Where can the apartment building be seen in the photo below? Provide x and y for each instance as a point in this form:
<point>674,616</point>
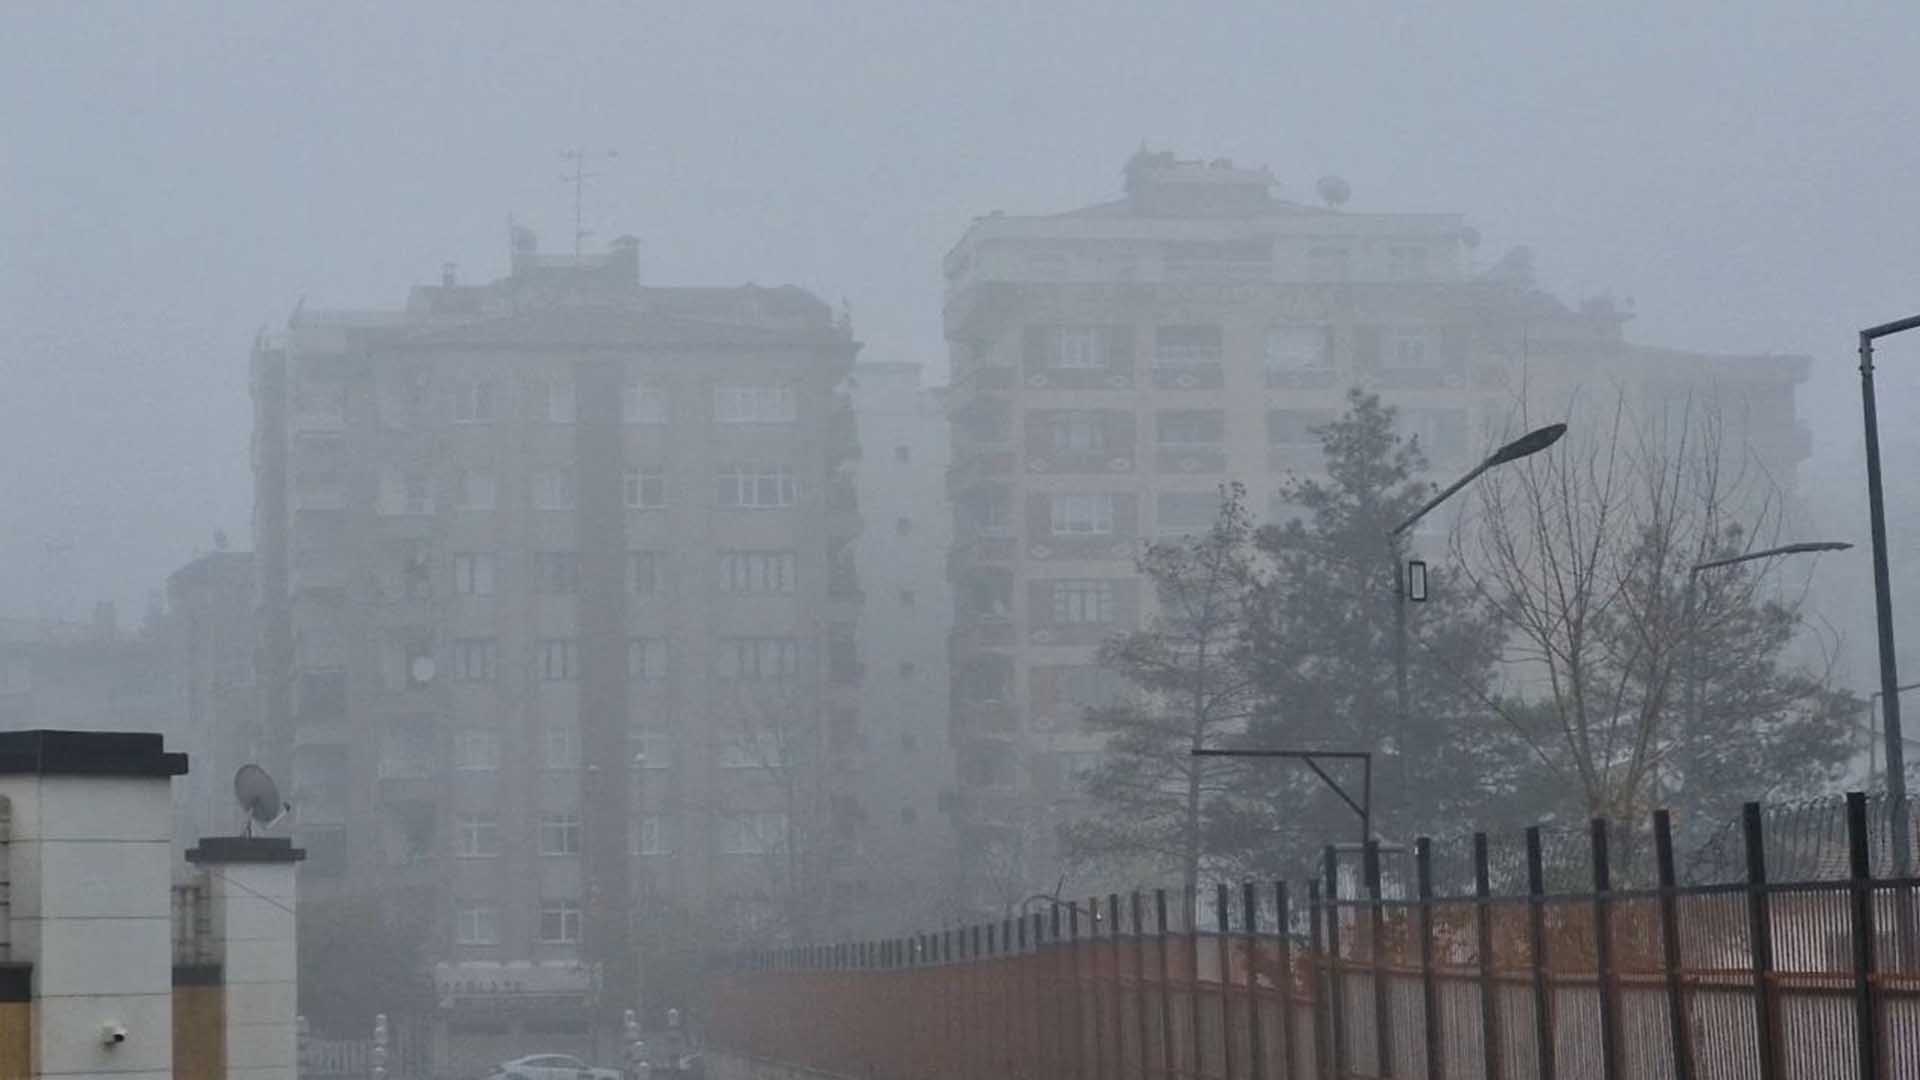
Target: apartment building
<point>905,621</point>
<point>554,637</point>
<point>1113,365</point>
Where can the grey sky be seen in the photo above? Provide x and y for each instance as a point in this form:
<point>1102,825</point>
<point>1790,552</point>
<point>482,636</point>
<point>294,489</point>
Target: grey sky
<point>173,177</point>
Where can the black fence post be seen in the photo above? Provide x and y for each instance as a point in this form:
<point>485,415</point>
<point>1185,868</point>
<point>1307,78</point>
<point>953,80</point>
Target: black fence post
<point>1078,1027</point>
<point>1429,983</point>
<point>1256,1042</point>
<point>1056,998</point>
<point>1194,1055</point>
<point>1322,1004</point>
<point>1603,949</point>
<point>1118,1002</point>
<point>1289,1050</point>
<point>1679,1021</point>
<point>1223,947</point>
<point>1336,989</point>
<point>1492,1051</point>
<point>1166,986</point>
<point>1140,980</point>
<point>1760,939</point>
<point>1537,932</point>
<point>1860,890</point>
<point>1377,957</point>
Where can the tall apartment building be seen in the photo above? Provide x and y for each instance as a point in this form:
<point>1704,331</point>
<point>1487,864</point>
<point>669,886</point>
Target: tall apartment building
<point>902,561</point>
<point>556,637</point>
<point>1113,365</point>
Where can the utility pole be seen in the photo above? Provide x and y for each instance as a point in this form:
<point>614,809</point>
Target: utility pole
<point>578,159</point>
<point>1883,599</point>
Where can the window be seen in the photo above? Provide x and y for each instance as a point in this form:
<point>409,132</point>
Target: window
<point>1079,347</point>
<point>1082,602</point>
<point>757,572</point>
<point>1407,260</point>
<point>906,597</point>
<point>473,659</point>
<point>748,658</point>
<point>653,749</point>
<point>1296,427</point>
<point>646,659</point>
<point>650,837</point>
<point>560,922</point>
<point>1186,346</point>
<point>643,401</point>
<point>556,573</point>
<point>903,454</point>
<point>563,746</point>
<point>1191,428</point>
<point>755,486</point>
<point>1082,515</point>
<point>553,489</point>
<point>1409,349</point>
<point>473,573</point>
<point>561,405</point>
<point>643,572</point>
<point>1297,349</point>
<point>1185,513</point>
<point>753,834</point>
<point>646,487</point>
<point>476,924</point>
<point>476,836</point>
<point>405,492</point>
<point>1078,432</point>
<point>559,660</point>
<point>476,751</point>
<point>560,834</point>
<point>473,401</point>
<point>1088,687</point>
<point>753,405</point>
<point>475,490</point>
<point>903,526</point>
<point>907,668</point>
<point>1328,262</point>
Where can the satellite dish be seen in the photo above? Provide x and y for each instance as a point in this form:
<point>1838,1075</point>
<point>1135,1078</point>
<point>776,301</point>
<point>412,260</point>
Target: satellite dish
<point>259,796</point>
<point>1334,191</point>
<point>422,669</point>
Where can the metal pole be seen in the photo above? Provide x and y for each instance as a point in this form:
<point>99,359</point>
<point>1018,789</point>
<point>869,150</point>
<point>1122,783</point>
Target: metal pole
<point>1883,601</point>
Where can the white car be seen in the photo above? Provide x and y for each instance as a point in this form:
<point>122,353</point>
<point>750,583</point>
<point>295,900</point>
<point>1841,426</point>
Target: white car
<point>551,1067</point>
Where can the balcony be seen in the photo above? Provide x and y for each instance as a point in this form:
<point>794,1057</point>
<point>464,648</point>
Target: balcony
<point>1081,462</point>
<point>989,719</point>
<point>1190,460</point>
<point>1195,376</point>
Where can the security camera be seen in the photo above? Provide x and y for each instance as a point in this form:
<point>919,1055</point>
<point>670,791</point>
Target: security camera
<point>113,1034</point>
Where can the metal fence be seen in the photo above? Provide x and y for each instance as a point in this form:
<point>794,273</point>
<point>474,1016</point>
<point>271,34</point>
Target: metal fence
<point>1473,959</point>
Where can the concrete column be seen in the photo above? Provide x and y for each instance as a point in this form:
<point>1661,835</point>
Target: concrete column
<point>91,864</point>
<point>250,881</point>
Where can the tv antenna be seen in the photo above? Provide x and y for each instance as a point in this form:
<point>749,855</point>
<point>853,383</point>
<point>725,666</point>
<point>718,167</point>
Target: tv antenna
<point>577,160</point>
<point>259,796</point>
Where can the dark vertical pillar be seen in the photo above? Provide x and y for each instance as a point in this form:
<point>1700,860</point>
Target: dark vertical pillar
<point>1678,1021</point>
<point>1866,1015</point>
<point>1118,1002</point>
<point>1537,936</point>
<point>1223,947</point>
<point>1322,994</point>
<point>1140,985</point>
<point>1096,992</point>
<point>1760,936</point>
<point>1429,985</point>
<point>1289,1049</point>
<point>606,812</point>
<point>1492,1056</point>
<point>1166,984</point>
<point>1603,949</point>
<point>1336,989</point>
<point>1377,955</point>
<point>1256,1028</point>
<point>1194,1056</point>
<point>1073,996</point>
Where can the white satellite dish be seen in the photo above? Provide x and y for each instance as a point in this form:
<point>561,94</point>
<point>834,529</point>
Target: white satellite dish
<point>259,796</point>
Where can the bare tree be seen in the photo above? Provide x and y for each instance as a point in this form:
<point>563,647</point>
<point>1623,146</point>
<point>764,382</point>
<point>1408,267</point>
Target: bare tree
<point>1586,557</point>
<point>1193,689</point>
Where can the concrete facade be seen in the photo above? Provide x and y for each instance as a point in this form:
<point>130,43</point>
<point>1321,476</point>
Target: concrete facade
<point>557,634</point>
<point>1113,365</point>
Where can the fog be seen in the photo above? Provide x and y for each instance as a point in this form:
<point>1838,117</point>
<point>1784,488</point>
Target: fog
<point>177,176</point>
<point>178,179</point>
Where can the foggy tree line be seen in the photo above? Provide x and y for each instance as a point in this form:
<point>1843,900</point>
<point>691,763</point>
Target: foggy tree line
<point>1558,670</point>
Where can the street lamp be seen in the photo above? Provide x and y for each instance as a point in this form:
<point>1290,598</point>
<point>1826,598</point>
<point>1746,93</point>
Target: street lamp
<point>1883,597</point>
<point>1525,446</point>
<point>1804,547</point>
